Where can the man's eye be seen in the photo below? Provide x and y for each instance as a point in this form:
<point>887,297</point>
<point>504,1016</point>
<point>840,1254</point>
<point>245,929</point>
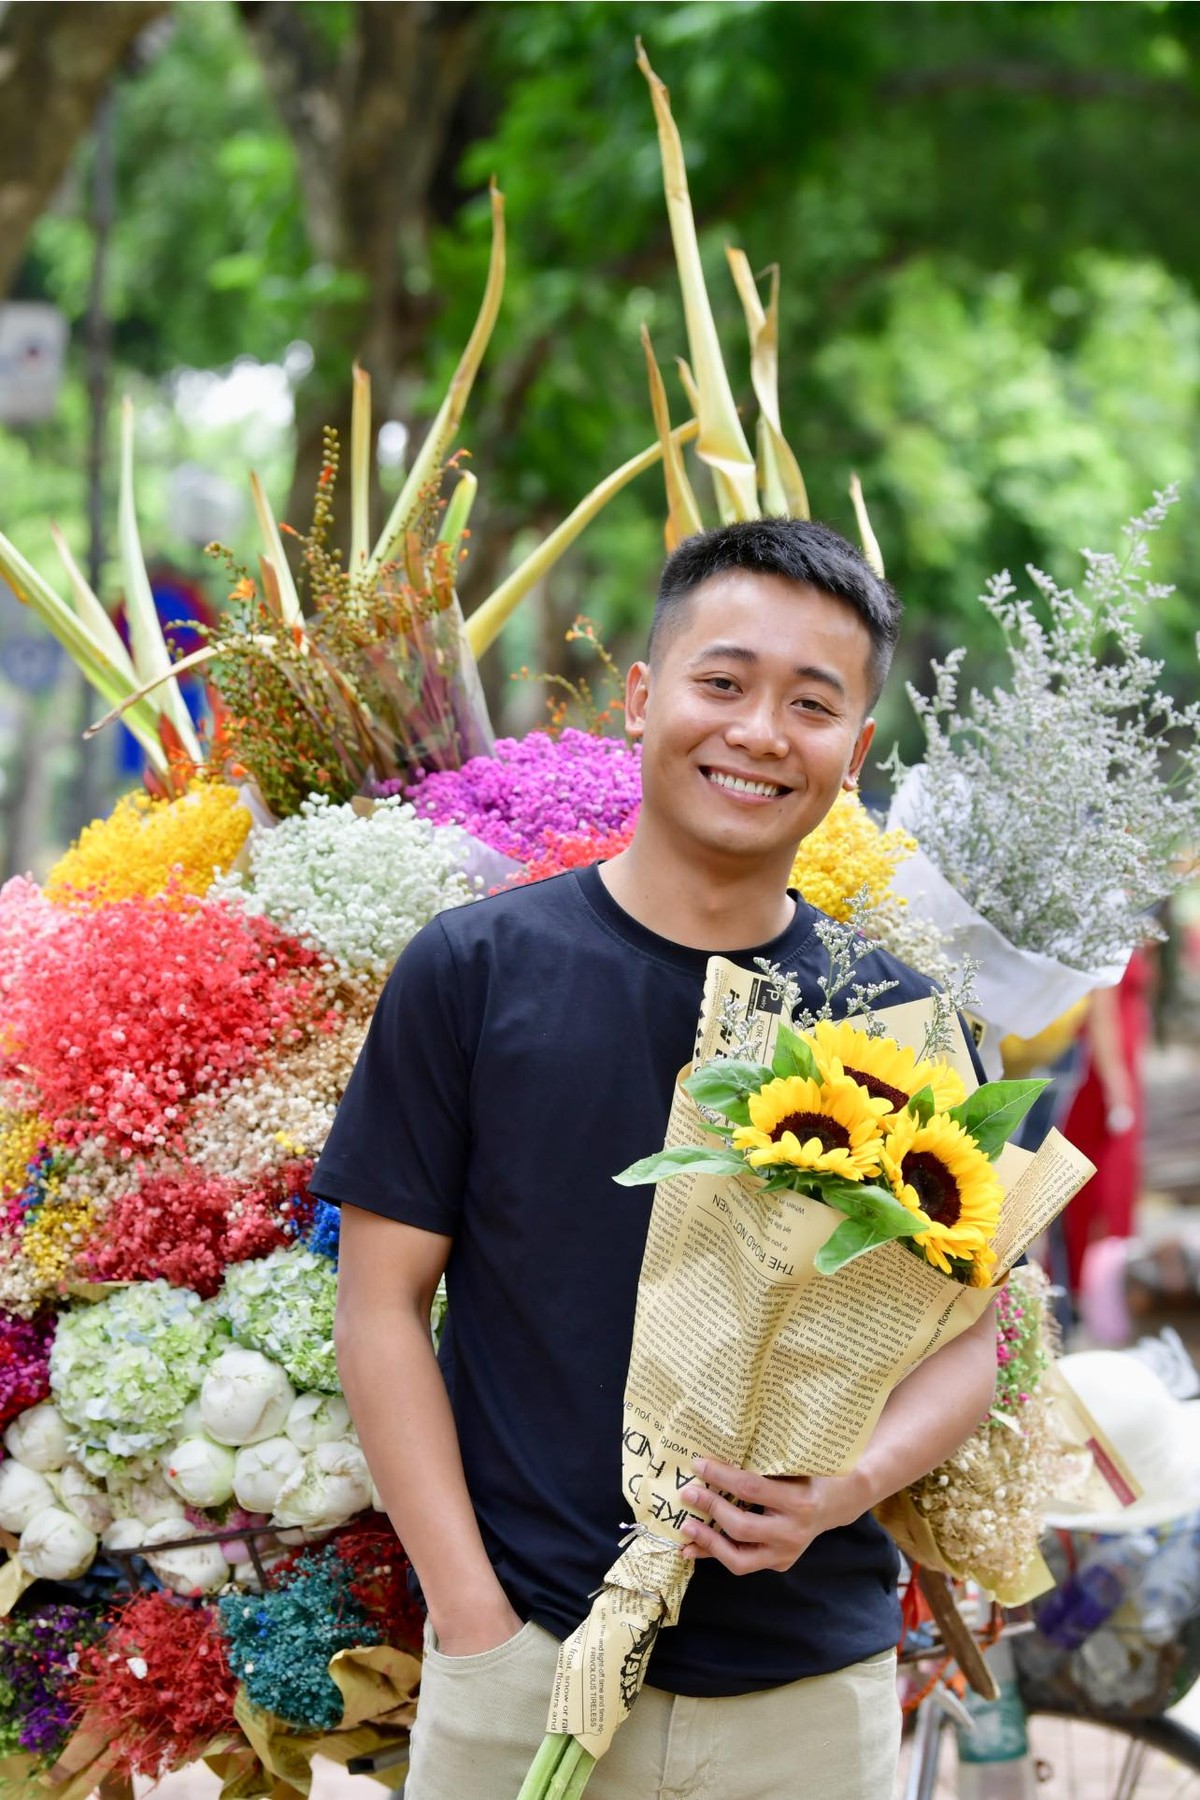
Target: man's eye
<point>725,684</point>
<point>810,705</point>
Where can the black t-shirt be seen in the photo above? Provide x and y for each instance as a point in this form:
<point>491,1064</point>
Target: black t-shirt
<point>523,1052</point>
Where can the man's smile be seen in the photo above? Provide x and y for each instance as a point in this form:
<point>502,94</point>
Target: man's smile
<point>746,785</point>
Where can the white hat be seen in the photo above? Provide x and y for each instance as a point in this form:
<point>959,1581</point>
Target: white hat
<point>1157,1435</point>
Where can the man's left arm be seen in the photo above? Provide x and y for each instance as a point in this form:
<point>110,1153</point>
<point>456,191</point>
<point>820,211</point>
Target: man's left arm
<point>923,1422</point>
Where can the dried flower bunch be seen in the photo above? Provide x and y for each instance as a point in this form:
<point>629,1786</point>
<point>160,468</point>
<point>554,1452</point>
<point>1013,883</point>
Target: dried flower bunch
<point>984,1506</point>
<point>571,784</point>
<point>356,885</point>
<point>847,854</point>
<point>1059,806</point>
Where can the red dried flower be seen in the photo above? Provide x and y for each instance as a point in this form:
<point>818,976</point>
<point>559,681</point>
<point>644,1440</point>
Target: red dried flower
<point>158,1686</point>
<point>188,1226</point>
<point>131,1010</point>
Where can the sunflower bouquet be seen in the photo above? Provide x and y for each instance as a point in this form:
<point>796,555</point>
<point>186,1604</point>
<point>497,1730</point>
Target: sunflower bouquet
<point>888,1139</point>
<point>834,1202</point>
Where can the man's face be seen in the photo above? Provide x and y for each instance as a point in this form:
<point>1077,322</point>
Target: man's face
<point>753,715</point>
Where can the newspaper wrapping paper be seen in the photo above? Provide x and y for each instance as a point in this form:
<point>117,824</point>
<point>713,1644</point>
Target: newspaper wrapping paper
<point>1019,991</point>
<point>742,1352</point>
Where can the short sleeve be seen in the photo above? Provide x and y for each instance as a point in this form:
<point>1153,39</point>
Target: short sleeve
<point>399,1141</point>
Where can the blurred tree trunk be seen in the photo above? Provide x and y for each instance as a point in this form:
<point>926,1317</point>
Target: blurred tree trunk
<point>379,125</point>
<point>55,63</point>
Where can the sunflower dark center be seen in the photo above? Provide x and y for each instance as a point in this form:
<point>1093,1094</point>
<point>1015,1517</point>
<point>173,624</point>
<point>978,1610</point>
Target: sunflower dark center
<point>935,1187</point>
<point>896,1097</point>
<point>833,1135</point>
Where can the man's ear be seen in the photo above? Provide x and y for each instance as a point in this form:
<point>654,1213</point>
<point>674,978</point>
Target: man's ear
<point>859,755</point>
<point>637,694</point>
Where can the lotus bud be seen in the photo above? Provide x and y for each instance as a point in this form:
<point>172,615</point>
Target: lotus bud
<point>55,1545</point>
<point>85,1497</point>
<point>37,1438</point>
<point>191,1569</point>
<point>152,1500</point>
<point>23,1493</point>
<point>199,1470</point>
<point>245,1397</point>
<point>123,1534</point>
<point>317,1419</point>
<point>329,1487</point>
<point>260,1470</point>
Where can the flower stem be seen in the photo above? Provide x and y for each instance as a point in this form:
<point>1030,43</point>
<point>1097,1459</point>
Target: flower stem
<point>538,1783</point>
<point>571,1776</point>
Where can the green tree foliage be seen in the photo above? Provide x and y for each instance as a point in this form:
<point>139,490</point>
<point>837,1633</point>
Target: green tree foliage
<point>981,214</point>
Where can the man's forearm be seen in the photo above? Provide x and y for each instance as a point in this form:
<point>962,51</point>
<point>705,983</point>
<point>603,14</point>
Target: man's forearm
<point>402,1413</point>
<point>932,1412</point>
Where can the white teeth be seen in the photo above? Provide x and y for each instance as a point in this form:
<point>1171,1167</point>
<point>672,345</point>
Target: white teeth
<point>769,789</point>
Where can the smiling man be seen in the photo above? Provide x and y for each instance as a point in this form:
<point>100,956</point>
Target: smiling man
<point>525,1050</point>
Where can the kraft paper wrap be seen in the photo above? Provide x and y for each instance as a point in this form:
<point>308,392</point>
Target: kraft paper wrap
<point>743,1353</point>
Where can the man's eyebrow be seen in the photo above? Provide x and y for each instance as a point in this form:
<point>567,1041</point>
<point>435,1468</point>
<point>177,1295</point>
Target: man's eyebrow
<point>739,653</point>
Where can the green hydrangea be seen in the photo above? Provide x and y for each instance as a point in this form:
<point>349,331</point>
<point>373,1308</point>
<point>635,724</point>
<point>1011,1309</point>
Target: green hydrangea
<point>282,1304</point>
<point>123,1370</point>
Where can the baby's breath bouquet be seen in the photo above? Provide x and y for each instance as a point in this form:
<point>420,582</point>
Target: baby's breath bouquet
<point>1054,813</point>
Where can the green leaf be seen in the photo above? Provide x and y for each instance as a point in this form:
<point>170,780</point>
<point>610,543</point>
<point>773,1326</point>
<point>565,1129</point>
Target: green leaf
<point>922,1103</point>
<point>793,1056</point>
<point>863,1200</point>
<point>992,1113</point>
<point>726,1080</point>
<point>682,1159</point>
<point>853,1238</point>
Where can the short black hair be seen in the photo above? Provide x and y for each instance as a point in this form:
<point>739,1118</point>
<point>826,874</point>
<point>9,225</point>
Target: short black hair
<point>800,550</point>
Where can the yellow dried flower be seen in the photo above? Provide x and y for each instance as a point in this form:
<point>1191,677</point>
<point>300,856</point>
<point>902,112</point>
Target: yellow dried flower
<point>847,852</point>
<point>21,1137</point>
<point>53,1238</point>
<point>146,846</point>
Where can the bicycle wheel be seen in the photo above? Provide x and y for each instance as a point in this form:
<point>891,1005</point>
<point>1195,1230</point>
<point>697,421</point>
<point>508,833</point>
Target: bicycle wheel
<point>1076,1758</point>
<point>1088,1759</point>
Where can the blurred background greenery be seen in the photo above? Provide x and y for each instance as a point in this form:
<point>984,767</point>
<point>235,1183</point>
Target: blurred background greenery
<point>984,217</point>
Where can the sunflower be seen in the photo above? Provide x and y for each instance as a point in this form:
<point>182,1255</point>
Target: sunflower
<point>827,1125</point>
<point>940,1173</point>
<point>882,1067</point>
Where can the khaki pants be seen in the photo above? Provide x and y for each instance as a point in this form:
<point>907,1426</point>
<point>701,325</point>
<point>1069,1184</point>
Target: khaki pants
<point>481,1718</point>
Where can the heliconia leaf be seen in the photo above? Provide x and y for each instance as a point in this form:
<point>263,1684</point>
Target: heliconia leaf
<point>285,586</point>
<point>454,523</point>
<point>722,442</point>
<point>195,660</point>
<point>360,469</point>
<point>441,433</point>
<point>682,1159</point>
<point>683,514</point>
<point>486,622</point>
<point>870,543</point>
<point>76,638</point>
<point>151,658</point>
<point>779,477</point>
<point>91,611</point>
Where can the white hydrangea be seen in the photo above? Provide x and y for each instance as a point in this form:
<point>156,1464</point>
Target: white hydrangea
<point>283,1305</point>
<point>357,884</point>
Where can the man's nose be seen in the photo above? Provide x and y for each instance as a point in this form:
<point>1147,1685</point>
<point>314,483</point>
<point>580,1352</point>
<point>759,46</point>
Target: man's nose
<point>758,729</point>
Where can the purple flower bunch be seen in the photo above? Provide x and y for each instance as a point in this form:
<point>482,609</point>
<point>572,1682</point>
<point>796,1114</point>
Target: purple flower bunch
<point>567,785</point>
<point>38,1653</point>
<point>24,1363</point>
